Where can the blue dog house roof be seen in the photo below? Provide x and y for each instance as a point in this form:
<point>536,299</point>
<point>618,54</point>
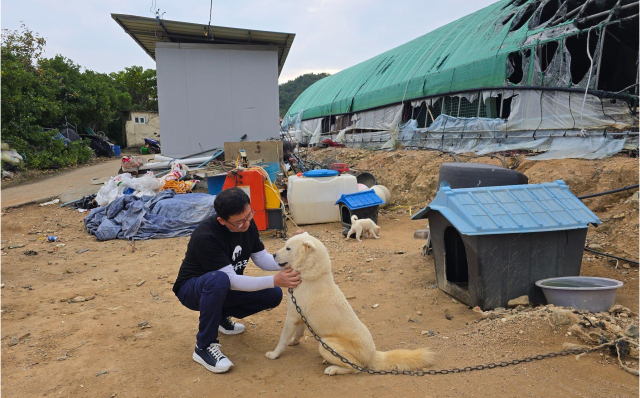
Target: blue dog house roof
<point>511,209</point>
<point>360,200</point>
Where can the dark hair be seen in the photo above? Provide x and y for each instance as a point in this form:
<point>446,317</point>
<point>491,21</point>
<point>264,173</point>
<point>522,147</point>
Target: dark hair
<point>231,202</point>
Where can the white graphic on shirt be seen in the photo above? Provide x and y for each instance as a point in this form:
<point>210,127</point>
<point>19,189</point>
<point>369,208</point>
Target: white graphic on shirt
<point>236,253</point>
<point>240,265</point>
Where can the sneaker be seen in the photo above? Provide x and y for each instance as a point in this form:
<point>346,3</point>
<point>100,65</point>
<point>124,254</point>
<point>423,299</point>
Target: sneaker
<point>212,358</point>
<point>227,326</point>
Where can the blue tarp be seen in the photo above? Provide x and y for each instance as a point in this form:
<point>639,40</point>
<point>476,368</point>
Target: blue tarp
<point>166,215</point>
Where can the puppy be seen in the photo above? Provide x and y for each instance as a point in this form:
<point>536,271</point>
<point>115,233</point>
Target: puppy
<point>365,225</point>
<point>331,317</point>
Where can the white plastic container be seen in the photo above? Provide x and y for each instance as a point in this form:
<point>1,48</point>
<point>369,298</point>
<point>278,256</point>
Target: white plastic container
<point>312,199</point>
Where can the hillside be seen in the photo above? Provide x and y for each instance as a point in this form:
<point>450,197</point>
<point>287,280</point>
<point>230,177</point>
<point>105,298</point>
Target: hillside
<point>290,90</point>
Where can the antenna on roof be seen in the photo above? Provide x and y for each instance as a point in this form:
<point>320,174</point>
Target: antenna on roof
<point>207,31</point>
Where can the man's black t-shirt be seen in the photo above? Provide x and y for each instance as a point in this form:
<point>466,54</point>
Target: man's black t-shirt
<point>212,246</point>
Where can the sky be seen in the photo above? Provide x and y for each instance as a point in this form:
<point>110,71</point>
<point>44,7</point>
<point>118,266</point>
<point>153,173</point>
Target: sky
<point>331,35</point>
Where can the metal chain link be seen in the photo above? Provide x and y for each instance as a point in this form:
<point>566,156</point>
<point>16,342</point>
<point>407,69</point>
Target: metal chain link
<point>421,372</point>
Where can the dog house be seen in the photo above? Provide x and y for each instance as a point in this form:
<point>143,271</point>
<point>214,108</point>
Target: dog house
<point>363,204</point>
<point>491,244</point>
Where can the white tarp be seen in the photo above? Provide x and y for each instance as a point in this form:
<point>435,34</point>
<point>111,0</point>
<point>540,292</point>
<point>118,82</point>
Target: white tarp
<point>377,119</point>
<point>582,148</point>
<point>558,110</point>
<point>446,123</point>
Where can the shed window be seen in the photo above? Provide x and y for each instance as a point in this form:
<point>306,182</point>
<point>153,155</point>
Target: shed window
<point>456,268</point>
<point>140,120</point>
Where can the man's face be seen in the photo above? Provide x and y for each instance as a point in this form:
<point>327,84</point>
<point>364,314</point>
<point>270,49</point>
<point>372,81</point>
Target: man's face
<point>239,222</point>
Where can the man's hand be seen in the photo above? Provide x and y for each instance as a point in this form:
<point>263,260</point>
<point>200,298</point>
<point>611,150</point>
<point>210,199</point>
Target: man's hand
<point>287,278</point>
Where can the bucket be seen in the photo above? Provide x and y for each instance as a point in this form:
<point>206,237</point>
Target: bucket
<point>116,150</point>
<point>272,168</point>
<point>215,183</point>
<point>580,292</point>
<point>383,193</point>
<point>143,150</point>
<point>367,179</point>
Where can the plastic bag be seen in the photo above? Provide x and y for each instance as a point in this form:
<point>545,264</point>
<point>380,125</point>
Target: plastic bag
<point>11,157</point>
<point>112,189</point>
<point>145,185</point>
<point>178,170</point>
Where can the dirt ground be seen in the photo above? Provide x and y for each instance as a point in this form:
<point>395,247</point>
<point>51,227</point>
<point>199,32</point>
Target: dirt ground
<point>132,338</point>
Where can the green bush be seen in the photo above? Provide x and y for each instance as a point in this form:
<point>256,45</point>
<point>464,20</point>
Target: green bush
<point>43,151</point>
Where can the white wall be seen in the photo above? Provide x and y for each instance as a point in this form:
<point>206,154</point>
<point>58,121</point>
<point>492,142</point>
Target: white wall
<point>209,94</point>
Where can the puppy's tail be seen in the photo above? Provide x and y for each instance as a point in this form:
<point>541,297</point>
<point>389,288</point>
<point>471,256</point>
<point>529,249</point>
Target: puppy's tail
<point>354,218</point>
<point>402,359</point>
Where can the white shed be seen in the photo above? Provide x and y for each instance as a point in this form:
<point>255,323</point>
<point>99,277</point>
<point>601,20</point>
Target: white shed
<point>215,84</point>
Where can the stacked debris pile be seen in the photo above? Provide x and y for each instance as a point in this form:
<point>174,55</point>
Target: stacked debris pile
<point>616,329</point>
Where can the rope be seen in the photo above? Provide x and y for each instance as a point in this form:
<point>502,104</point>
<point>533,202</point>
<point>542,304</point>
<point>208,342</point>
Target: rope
<point>178,186</point>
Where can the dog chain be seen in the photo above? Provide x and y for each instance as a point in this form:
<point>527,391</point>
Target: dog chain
<point>432,372</point>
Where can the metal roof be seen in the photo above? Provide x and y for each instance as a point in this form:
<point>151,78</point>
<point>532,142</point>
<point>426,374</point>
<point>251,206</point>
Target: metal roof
<point>360,199</point>
<point>511,209</point>
<point>148,31</point>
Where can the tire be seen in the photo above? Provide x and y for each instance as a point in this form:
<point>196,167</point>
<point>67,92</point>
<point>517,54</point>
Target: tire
<point>472,175</point>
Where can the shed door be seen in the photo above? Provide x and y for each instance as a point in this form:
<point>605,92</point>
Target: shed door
<point>456,269</point>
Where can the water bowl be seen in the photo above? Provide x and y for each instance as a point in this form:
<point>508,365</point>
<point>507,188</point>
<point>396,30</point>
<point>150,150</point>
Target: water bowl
<point>580,292</point>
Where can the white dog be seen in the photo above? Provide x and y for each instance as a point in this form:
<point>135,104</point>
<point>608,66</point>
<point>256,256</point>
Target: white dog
<point>331,317</point>
<point>365,225</point>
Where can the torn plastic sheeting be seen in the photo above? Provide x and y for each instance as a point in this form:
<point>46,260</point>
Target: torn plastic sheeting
<point>408,129</point>
<point>486,94</point>
<point>558,72</point>
<point>582,148</point>
<point>309,127</point>
<point>315,137</point>
<point>540,110</point>
<point>450,124</point>
<point>394,129</point>
<point>589,78</point>
<point>292,121</point>
<point>377,119</point>
<point>511,144</point>
<point>166,215</point>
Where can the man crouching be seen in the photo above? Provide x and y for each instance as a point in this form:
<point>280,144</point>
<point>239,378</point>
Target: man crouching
<point>211,278</point>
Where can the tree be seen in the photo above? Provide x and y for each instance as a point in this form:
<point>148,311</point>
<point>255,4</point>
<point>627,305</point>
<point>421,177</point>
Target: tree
<point>142,86</point>
<point>30,101</point>
<point>290,90</point>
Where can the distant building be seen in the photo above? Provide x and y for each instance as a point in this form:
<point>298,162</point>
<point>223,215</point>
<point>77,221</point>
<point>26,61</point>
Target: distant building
<point>139,125</point>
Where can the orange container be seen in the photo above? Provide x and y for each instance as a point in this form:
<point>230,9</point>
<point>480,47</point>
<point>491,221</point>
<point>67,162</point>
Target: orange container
<point>252,182</point>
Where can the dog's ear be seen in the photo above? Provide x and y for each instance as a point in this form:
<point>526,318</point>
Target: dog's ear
<point>309,245</point>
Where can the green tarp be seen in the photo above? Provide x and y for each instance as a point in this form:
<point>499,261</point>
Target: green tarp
<point>468,54</point>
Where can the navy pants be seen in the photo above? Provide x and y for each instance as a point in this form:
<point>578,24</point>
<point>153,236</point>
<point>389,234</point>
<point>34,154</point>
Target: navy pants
<point>212,296</point>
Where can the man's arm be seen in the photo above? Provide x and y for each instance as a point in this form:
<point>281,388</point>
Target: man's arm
<point>247,283</point>
<point>265,261</point>
<point>285,278</point>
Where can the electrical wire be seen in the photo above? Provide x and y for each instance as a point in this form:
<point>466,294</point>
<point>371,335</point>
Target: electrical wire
<point>610,255</point>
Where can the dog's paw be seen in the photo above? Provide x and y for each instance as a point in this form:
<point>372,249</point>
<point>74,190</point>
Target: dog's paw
<point>333,370</point>
<point>294,342</point>
<point>272,355</point>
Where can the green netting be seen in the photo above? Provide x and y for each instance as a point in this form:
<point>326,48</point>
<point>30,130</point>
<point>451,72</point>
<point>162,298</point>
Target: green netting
<point>468,54</point>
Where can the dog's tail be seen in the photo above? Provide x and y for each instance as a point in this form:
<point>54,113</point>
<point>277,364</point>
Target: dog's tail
<point>354,218</point>
<point>402,359</point>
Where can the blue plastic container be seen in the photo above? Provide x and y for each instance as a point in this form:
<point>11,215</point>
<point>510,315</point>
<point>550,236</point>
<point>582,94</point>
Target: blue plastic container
<point>272,168</point>
<point>116,150</point>
<point>320,173</point>
<point>215,183</point>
